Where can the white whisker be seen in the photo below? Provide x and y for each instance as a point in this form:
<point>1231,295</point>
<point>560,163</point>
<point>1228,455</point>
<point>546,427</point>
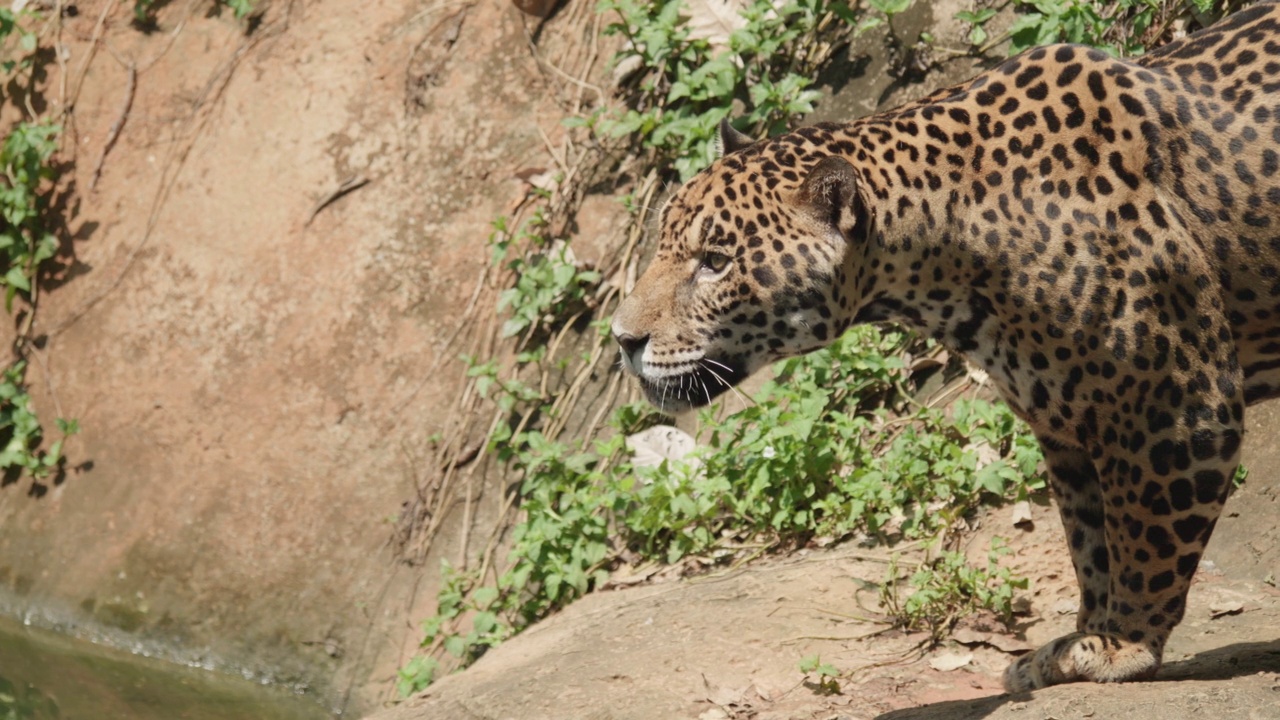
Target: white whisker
<point>746,401</point>
<point>716,375</point>
<point>717,363</point>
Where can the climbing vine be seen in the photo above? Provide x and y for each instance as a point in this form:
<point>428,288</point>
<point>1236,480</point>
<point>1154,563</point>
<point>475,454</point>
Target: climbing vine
<point>27,242</point>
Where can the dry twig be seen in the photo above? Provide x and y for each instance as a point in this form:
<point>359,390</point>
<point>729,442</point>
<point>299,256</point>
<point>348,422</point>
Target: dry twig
<point>351,184</point>
<point>69,105</point>
<point>131,85</point>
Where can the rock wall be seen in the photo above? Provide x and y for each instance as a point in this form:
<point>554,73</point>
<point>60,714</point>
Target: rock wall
<point>257,373</point>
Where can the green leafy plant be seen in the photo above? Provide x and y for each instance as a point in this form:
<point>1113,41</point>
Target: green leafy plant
<point>20,429</point>
<point>978,20</point>
<point>417,674</point>
<point>26,243</point>
<point>505,392</point>
<point>239,8</point>
<point>1122,28</point>
<point>1241,474</point>
<point>462,596</point>
<point>887,9</point>
<point>816,455</point>
<point>949,588</point>
<point>17,43</point>
<point>812,456</point>
<point>685,85</point>
<point>1085,21</point>
<point>822,677</point>
<point>549,284</point>
<point>144,13</point>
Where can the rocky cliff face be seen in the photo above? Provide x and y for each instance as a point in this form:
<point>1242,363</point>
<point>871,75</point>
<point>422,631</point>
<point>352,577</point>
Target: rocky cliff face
<point>257,358</point>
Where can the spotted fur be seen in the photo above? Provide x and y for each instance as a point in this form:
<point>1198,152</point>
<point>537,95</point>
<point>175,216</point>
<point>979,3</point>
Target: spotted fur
<point>1100,235</point>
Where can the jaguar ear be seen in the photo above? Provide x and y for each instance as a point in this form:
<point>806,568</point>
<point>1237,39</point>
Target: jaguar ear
<point>731,140</point>
<point>831,192</point>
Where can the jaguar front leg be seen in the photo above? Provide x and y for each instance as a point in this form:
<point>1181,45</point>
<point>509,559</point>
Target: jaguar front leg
<point>1074,484</point>
<point>1161,496</point>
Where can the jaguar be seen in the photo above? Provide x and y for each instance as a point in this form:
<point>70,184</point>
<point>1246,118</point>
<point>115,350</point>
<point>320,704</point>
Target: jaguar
<point>1100,235</point>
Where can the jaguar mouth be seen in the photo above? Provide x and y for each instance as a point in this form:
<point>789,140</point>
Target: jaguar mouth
<point>706,381</point>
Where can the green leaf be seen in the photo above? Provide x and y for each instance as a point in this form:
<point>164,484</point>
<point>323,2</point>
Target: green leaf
<point>483,597</point>
<point>417,675</point>
<point>977,17</point>
<point>890,7</point>
<point>455,645</point>
<point>868,23</point>
<point>484,623</point>
<point>18,279</point>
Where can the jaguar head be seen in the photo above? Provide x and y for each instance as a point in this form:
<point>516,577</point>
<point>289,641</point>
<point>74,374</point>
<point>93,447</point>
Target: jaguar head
<point>752,266</point>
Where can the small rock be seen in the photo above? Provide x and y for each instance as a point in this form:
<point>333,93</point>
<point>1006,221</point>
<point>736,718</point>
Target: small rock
<point>946,662</point>
<point>1020,515</point>
<point>1225,607</point>
<point>724,696</point>
<point>999,641</point>
<point>1209,567</point>
<point>623,69</point>
<point>714,714</point>
<point>1065,606</point>
<point>661,443</point>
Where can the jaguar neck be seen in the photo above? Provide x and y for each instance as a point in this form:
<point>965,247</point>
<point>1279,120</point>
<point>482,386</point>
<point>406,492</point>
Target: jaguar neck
<point>917,263</point>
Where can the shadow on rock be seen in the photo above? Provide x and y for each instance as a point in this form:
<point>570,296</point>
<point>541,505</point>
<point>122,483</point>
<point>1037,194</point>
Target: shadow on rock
<point>953,709</point>
<point>1224,663</point>
<point>1237,660</point>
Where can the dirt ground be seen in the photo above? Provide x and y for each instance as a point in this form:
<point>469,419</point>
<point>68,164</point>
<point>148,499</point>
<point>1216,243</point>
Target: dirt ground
<point>723,647</point>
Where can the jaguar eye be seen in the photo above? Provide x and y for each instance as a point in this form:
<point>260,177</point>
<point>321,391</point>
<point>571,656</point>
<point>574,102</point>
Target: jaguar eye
<point>714,262</point>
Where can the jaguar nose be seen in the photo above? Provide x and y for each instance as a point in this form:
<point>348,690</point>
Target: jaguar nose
<point>632,345</point>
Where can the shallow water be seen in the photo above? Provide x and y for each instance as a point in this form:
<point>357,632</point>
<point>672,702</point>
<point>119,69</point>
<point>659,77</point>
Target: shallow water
<point>46,676</point>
